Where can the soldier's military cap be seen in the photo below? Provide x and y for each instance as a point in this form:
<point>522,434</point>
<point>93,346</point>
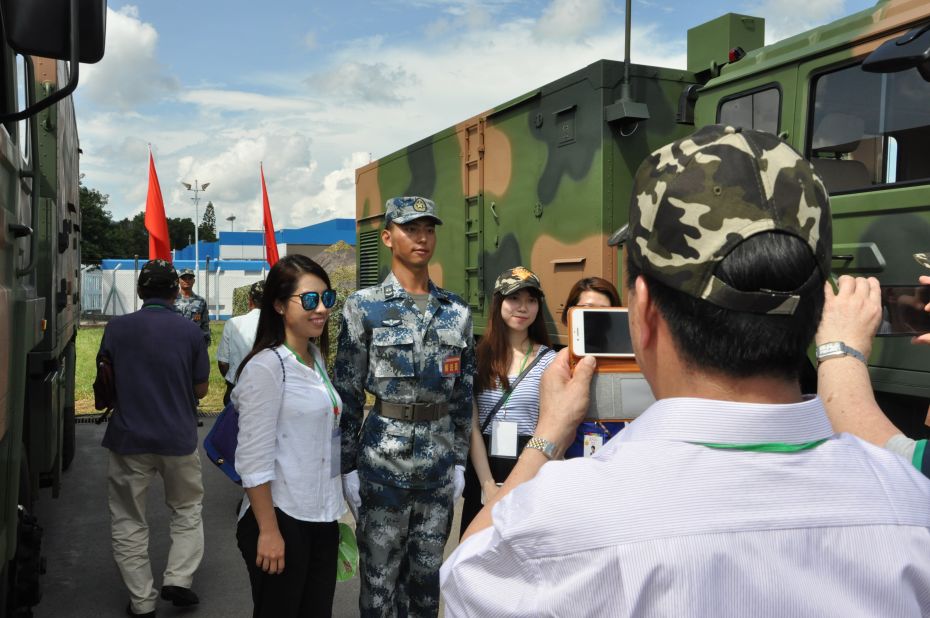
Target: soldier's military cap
<point>698,198</point>
<point>257,291</point>
<point>187,272</point>
<point>158,275</point>
<point>406,209</point>
<point>514,279</point>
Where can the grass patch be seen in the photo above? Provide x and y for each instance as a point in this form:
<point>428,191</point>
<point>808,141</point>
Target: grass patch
<point>88,342</point>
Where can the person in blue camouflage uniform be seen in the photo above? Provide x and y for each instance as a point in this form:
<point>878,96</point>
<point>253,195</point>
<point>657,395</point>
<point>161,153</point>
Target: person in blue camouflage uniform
<point>192,306</point>
<point>410,344</point>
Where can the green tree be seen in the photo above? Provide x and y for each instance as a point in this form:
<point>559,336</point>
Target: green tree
<point>207,228</point>
<point>131,238</point>
<point>179,230</point>
<point>96,225</point>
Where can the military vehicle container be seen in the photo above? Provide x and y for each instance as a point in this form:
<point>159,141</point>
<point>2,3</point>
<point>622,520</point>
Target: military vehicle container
<point>39,266</point>
<point>541,180</point>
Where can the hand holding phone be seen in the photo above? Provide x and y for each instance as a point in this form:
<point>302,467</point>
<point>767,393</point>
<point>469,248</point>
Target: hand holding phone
<point>618,391</point>
<point>903,310</point>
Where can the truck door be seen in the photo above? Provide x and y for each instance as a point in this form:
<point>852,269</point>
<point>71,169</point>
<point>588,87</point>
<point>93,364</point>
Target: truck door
<point>867,135</point>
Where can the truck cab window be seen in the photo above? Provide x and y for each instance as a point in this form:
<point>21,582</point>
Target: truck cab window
<point>757,110</point>
<point>870,129</point>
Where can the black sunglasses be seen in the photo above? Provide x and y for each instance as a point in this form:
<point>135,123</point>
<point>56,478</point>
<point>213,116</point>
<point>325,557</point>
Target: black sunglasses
<point>309,300</point>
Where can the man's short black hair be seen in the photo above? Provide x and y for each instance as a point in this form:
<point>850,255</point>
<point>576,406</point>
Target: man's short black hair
<point>741,344</point>
<point>159,293</point>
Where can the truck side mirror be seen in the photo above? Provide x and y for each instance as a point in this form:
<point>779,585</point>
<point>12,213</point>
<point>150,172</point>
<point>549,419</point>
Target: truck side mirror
<point>908,51</point>
<point>44,28</point>
<point>73,30</point>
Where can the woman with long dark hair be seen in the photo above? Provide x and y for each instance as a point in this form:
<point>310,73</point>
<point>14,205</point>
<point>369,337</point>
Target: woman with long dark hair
<point>515,336</point>
<point>288,452</point>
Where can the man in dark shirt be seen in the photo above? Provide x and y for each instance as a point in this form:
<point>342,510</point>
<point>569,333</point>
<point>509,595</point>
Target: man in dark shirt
<point>160,368</point>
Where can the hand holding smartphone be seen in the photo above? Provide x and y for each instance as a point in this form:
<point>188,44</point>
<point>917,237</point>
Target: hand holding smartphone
<point>619,391</point>
<point>903,311</point>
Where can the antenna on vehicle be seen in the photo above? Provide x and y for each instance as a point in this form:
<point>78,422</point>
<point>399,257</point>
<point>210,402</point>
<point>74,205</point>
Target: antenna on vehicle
<point>625,110</point>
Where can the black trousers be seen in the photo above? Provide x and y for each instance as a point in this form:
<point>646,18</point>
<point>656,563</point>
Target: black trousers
<point>308,582</point>
<point>500,470</point>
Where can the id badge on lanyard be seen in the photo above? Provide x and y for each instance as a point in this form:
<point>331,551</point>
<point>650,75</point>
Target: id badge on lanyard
<point>504,439</point>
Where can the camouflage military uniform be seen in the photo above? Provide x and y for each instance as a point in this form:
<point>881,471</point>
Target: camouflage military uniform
<point>402,355</point>
<point>194,307</point>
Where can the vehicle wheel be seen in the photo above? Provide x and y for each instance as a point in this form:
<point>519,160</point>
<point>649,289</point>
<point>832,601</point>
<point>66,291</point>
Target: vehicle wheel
<point>67,438</point>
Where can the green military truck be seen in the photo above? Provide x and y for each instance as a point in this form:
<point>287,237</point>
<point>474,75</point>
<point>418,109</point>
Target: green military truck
<point>39,267</point>
<point>541,180</point>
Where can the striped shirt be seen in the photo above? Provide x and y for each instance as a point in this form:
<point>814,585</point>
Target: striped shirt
<point>523,404</point>
<point>656,523</point>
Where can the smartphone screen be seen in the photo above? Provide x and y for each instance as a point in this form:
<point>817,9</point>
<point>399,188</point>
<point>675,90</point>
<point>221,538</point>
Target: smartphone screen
<point>602,333</point>
<point>903,310</point>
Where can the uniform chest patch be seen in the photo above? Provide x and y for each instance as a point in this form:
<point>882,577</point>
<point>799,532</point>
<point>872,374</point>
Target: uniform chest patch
<point>452,366</point>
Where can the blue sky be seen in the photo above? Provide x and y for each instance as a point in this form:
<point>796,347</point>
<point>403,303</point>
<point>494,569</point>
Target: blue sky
<point>314,90</point>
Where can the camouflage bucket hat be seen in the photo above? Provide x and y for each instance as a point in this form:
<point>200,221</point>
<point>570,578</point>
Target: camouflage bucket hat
<point>514,279</point>
<point>696,199</point>
<point>187,272</point>
<point>405,209</point>
<point>158,275</point>
<point>257,291</point>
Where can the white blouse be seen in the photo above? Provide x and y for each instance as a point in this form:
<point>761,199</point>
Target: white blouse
<point>289,443</point>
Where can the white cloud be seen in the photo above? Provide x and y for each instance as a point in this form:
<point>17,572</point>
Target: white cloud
<point>784,18</point>
<point>129,74</point>
<point>310,40</point>
<point>375,82</point>
<point>570,20</point>
<point>216,100</point>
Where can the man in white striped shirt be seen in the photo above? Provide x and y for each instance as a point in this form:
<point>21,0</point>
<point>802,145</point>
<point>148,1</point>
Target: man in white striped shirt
<point>731,495</point>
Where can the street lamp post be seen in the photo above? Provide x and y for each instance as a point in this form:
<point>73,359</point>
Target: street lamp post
<point>196,189</point>
<point>232,222</point>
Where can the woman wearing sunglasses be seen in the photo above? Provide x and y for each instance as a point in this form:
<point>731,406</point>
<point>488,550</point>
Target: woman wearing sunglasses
<point>288,452</point>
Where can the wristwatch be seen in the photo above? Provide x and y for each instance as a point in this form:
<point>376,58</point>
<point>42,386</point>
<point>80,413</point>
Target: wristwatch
<point>838,349</point>
<point>541,444</point>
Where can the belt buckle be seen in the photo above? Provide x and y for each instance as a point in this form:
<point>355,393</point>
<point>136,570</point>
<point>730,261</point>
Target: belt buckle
<point>408,411</point>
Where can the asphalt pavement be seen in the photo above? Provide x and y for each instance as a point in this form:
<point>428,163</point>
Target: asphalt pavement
<point>82,580</point>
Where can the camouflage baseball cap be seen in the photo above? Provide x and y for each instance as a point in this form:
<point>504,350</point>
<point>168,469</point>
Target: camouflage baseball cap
<point>257,291</point>
<point>185,272</point>
<point>696,199</point>
<point>514,279</point>
<point>405,209</point>
<point>158,275</point>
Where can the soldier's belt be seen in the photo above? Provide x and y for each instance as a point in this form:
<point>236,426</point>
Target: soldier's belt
<point>412,411</point>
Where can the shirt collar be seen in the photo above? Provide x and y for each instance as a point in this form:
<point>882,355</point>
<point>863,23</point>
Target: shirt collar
<point>393,289</point>
<point>158,301</point>
<point>686,419</point>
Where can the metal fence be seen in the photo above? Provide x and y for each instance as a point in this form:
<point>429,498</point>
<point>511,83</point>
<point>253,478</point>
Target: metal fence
<point>91,289</point>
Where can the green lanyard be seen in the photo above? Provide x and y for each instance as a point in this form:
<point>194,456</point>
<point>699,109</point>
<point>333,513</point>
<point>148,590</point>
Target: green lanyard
<point>329,391</point>
<point>765,447</point>
<point>522,367</point>
<point>326,383</point>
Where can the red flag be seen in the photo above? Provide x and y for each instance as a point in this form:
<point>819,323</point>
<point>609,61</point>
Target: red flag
<point>155,222</point>
<point>271,245</point>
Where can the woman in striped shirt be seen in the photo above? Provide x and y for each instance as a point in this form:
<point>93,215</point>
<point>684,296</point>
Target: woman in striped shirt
<point>516,335</point>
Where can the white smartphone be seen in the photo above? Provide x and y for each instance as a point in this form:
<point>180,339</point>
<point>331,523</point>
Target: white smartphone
<point>601,331</point>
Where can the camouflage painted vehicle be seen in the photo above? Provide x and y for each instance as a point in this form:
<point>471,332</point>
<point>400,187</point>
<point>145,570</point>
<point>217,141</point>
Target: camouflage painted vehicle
<point>866,132</point>
<point>39,267</point>
<point>542,179</point>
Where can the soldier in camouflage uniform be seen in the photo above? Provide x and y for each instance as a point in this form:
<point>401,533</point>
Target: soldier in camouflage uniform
<point>192,306</point>
<point>409,343</point>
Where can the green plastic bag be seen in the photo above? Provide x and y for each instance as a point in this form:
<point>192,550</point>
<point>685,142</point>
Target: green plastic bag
<point>347,559</point>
